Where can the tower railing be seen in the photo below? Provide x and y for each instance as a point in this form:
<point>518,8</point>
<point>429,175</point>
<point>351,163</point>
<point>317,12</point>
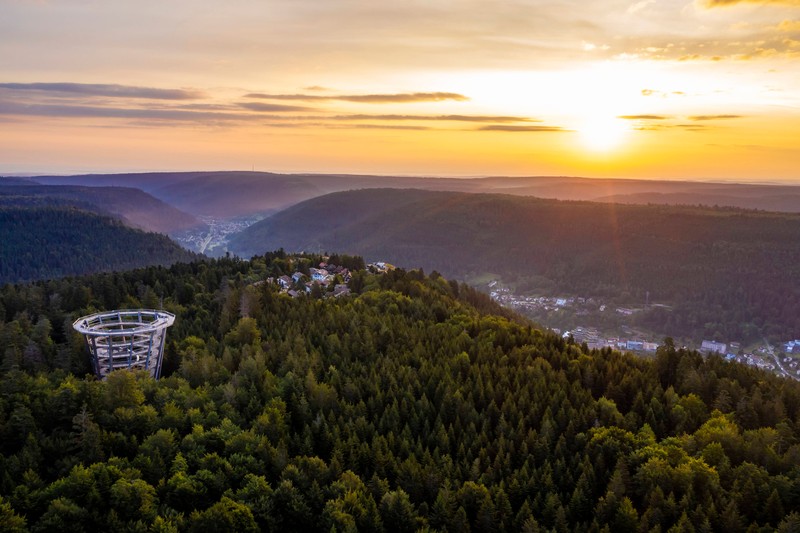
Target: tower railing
<point>125,339</point>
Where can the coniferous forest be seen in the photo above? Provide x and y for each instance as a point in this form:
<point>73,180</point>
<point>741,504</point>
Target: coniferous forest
<point>46,241</point>
<point>413,404</point>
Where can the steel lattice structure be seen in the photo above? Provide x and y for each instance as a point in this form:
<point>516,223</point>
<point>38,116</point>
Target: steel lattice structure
<point>130,338</point>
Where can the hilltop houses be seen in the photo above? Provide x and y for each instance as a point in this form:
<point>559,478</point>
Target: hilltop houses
<point>330,278</point>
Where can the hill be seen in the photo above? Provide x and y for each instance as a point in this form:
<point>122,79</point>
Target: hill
<point>133,206</point>
<point>402,407</point>
<point>726,272</point>
<point>12,181</point>
<point>230,194</point>
<point>50,242</point>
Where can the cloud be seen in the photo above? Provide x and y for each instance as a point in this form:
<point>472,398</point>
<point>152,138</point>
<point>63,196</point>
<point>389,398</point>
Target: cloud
<point>662,127</point>
<point>665,122</point>
<point>721,3</point>
<point>789,26</point>
<point>272,108</point>
<point>639,6</point>
<point>81,111</point>
<point>499,127</point>
<point>346,126</point>
<point>643,117</point>
<point>112,90</point>
<point>402,98</point>
<point>444,118</point>
<point>377,127</point>
<point>713,117</point>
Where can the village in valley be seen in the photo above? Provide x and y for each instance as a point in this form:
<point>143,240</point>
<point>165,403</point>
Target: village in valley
<point>211,238</point>
<point>612,328</point>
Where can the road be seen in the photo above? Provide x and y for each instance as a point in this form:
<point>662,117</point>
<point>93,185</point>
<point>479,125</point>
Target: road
<point>779,365</point>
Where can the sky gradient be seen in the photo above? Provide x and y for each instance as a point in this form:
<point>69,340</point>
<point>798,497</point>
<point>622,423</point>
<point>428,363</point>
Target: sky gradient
<point>691,89</point>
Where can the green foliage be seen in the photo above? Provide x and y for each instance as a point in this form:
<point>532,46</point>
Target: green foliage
<point>410,405</point>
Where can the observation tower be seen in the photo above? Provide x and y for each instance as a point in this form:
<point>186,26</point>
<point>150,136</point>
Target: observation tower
<point>130,338</point>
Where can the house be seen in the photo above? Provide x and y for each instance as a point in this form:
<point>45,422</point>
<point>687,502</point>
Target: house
<point>341,290</point>
<point>318,274</point>
<point>792,347</point>
<point>650,346</point>
<point>380,267</point>
<point>285,282</point>
<point>297,276</point>
<point>635,345</point>
<point>714,347</point>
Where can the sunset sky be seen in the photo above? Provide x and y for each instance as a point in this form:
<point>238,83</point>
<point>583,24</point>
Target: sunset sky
<point>676,89</point>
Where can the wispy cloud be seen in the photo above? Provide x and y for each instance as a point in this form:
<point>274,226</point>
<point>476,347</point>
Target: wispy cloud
<point>714,117</point>
<point>521,129</point>
<point>789,26</point>
<point>82,111</point>
<point>643,117</point>
<point>17,102</point>
<point>343,126</point>
<point>639,6</point>
<point>444,118</point>
<point>720,3</point>
<point>401,98</point>
<point>666,122</point>
<point>272,108</point>
<point>106,90</point>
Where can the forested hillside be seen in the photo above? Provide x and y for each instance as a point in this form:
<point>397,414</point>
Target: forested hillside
<point>402,407</point>
<point>728,273</point>
<point>133,206</point>
<point>49,242</point>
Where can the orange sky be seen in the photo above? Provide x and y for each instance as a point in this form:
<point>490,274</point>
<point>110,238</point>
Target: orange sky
<point>693,89</point>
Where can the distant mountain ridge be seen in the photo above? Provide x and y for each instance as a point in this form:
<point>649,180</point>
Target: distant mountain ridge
<point>236,193</point>
<point>133,206</point>
<point>726,270</point>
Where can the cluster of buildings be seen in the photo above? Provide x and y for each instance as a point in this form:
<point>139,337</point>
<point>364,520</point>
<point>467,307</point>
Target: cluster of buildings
<point>506,297</point>
<point>325,277</point>
<point>212,237</point>
<point>593,340</point>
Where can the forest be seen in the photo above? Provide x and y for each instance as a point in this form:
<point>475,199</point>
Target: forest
<point>414,404</point>
<point>727,273</point>
<point>132,206</point>
<point>43,242</point>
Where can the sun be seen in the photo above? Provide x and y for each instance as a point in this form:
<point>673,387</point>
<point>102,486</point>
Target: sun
<point>602,134</point>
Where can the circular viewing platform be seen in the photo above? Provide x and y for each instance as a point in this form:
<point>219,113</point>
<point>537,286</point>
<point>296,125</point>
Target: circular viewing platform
<point>125,339</point>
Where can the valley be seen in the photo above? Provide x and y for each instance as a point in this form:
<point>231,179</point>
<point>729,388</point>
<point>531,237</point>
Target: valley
<point>213,237</point>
